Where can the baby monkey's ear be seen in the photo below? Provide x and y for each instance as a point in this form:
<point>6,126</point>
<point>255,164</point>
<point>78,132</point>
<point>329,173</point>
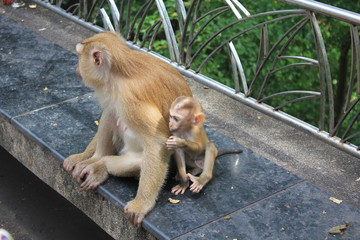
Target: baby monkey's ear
<point>199,118</point>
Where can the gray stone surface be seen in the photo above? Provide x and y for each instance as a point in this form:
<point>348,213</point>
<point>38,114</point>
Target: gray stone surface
<point>287,215</point>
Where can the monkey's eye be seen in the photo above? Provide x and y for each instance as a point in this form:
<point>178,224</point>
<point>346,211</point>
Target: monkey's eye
<point>175,118</point>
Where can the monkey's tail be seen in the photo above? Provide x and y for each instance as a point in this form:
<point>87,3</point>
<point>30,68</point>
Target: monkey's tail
<point>228,152</point>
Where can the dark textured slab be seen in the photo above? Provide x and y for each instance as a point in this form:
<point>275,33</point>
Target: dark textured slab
<point>301,212</point>
<point>34,72</point>
<point>67,127</point>
<point>239,179</point>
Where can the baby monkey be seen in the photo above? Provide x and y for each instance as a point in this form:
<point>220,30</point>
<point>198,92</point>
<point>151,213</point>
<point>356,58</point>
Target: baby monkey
<point>192,146</point>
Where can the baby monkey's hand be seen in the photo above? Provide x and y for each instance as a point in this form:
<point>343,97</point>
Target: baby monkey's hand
<point>174,142</point>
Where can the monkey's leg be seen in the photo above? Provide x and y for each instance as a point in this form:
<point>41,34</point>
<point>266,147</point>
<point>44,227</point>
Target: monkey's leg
<point>153,172</point>
<point>127,165</point>
<point>72,160</point>
<point>206,175</point>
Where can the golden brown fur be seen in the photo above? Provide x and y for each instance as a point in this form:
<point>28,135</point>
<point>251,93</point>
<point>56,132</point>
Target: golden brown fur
<point>191,144</point>
<point>135,90</point>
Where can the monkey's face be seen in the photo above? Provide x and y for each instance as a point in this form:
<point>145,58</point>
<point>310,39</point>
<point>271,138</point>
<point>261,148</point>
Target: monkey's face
<point>180,120</point>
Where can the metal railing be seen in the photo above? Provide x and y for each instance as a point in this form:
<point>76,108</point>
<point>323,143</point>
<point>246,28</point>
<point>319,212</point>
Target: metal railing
<point>193,41</point>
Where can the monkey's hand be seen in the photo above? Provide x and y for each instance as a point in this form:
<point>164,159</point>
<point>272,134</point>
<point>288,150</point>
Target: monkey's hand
<point>70,162</point>
<point>79,167</point>
<point>94,174</point>
<point>174,142</point>
<point>197,185</point>
<point>136,210</point>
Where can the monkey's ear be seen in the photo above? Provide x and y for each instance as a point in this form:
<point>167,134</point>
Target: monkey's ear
<point>79,48</point>
<point>98,57</point>
<point>199,118</point>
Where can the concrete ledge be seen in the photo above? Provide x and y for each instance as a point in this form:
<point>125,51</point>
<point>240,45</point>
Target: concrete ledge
<point>46,164</point>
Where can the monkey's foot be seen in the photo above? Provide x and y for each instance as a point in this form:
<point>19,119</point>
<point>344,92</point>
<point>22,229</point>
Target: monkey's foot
<point>196,186</point>
<point>179,189</point>
<point>136,211</point>
<point>94,174</point>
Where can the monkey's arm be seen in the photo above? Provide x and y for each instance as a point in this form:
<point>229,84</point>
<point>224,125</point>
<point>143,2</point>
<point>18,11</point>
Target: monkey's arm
<point>107,128</point>
<point>209,160</point>
<point>104,144</point>
<point>192,148</point>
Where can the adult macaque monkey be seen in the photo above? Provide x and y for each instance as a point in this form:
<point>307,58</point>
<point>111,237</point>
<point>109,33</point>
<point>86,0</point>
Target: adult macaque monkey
<point>135,91</point>
<point>192,147</point>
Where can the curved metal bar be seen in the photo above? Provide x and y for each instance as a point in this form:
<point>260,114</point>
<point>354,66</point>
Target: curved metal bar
<point>355,37</point>
<point>306,59</point>
<point>264,46</point>
<point>71,17</point>
<point>241,7</point>
<point>295,100</point>
<point>235,73</point>
<point>208,21</point>
<point>238,66</point>
<point>342,118</point>
<point>181,11</point>
<point>92,9</point>
<point>128,15</point>
<point>299,24</point>
<point>106,20</point>
<point>281,51</point>
<point>149,3</point>
<point>232,38</point>
<point>291,65</point>
<point>211,12</point>
<point>183,33</point>
<point>192,29</point>
<point>135,18</point>
<point>233,9</point>
<point>155,25</point>
<point>114,13</point>
<point>75,6</point>
<point>122,9</point>
<point>155,34</point>
<point>318,7</point>
<point>98,12</point>
<point>351,124</point>
<point>289,93</point>
<point>325,69</point>
<point>169,32</point>
<point>350,137</point>
<point>354,57</point>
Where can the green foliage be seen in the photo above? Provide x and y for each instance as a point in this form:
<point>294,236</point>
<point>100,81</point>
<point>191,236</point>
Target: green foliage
<point>303,77</point>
